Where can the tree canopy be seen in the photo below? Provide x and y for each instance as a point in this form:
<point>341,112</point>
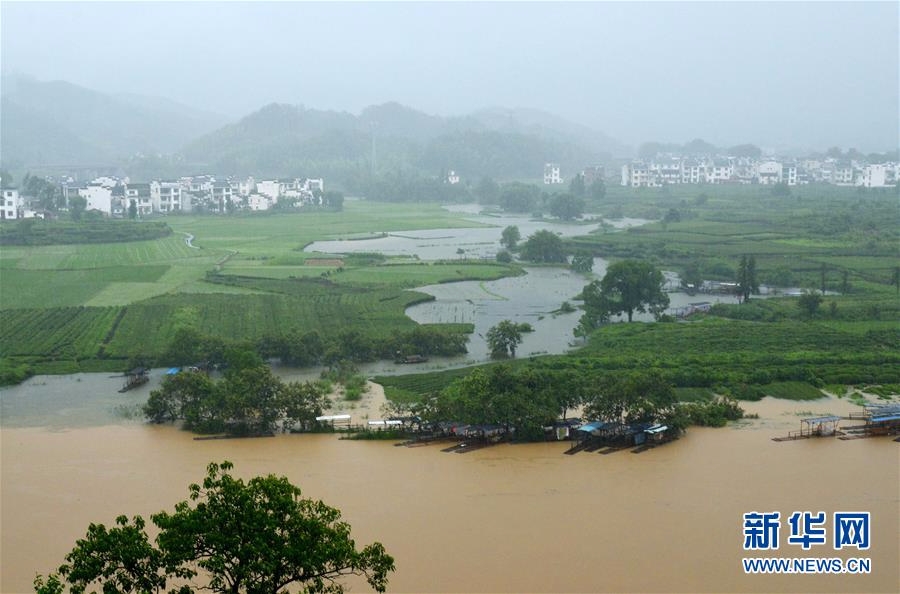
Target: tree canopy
<point>505,337</point>
<point>634,398</point>
<point>627,287</point>
<point>567,207</point>
<point>525,400</point>
<point>519,197</point>
<point>747,282</point>
<point>582,262</point>
<point>249,401</point>
<point>258,536</point>
<point>510,237</point>
<point>543,246</point>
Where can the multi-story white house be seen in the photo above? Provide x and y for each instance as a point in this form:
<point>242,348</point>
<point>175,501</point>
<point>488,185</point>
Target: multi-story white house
<point>452,177</point>
<point>245,187</point>
<point>667,171</point>
<point>10,204</point>
<point>638,175</point>
<point>720,171</point>
<point>318,184</point>
<point>692,171</point>
<point>166,196</point>
<point>551,174</point>
<point>769,172</point>
<point>139,194</point>
<point>270,188</point>
<point>197,184</point>
<point>789,174</point>
<point>259,202</point>
<point>875,176</point>
<point>843,173</point>
<point>98,198</point>
<point>221,194</point>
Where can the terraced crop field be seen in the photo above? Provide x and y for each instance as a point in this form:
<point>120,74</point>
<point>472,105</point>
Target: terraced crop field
<point>58,333</point>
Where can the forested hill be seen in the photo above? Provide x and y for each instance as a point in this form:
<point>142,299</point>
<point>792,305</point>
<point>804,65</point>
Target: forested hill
<point>289,140</point>
<point>56,123</point>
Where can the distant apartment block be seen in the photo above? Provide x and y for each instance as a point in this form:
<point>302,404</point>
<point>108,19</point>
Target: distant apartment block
<point>551,174</point>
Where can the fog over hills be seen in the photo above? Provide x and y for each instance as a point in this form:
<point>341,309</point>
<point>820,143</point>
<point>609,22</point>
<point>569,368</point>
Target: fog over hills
<point>57,123</point>
<point>280,138</point>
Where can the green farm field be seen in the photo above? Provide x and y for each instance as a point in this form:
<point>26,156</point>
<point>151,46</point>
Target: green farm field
<point>105,274</point>
<point>95,305</point>
<point>846,230</point>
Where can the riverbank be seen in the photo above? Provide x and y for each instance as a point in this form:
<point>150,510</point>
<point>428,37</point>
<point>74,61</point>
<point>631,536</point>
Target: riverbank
<point>511,518</point>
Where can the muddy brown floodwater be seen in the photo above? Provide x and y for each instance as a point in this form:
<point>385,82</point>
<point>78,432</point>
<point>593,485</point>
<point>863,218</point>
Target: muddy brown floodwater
<point>512,518</point>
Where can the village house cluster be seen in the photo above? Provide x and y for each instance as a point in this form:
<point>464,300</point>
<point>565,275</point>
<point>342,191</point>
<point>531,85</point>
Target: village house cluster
<point>113,196</point>
<point>673,169</point>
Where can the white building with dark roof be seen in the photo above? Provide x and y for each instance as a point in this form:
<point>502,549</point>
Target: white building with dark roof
<point>10,204</point>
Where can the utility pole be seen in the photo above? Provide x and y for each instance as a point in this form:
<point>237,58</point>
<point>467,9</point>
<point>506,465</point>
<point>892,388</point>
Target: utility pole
<point>374,127</point>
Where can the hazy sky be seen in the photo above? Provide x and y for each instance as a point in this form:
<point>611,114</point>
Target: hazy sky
<point>778,74</point>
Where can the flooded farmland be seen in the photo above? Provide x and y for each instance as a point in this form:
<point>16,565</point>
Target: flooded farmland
<point>511,518</point>
<point>478,242</point>
<point>534,298</point>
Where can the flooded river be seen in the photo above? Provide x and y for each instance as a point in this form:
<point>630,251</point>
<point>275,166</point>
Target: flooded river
<point>512,518</point>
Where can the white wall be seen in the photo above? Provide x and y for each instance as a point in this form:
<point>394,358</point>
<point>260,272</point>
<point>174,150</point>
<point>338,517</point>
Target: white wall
<point>98,198</point>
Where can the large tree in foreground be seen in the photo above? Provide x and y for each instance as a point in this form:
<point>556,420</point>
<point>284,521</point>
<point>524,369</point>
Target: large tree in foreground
<point>627,287</point>
<point>258,536</point>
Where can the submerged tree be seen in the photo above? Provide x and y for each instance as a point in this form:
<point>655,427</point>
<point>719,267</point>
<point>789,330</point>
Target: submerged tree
<point>692,279</point>
<point>258,536</point>
<point>510,237</point>
<point>567,207</point>
<point>635,398</point>
<point>525,400</point>
<point>627,287</point>
<point>747,282</point>
<point>543,246</point>
<point>582,262</point>
<point>505,337</point>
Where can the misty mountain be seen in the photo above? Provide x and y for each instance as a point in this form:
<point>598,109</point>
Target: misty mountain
<point>547,125</point>
<point>291,140</point>
<point>59,123</point>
